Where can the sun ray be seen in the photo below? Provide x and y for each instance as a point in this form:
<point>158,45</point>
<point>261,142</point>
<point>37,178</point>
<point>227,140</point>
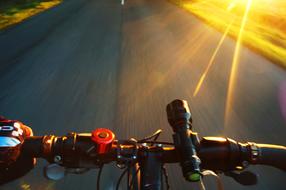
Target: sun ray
<point>235,63</point>
<point>211,62</point>
<point>232,5</point>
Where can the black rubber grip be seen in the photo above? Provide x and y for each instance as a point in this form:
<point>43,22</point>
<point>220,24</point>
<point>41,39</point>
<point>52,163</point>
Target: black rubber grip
<point>272,155</point>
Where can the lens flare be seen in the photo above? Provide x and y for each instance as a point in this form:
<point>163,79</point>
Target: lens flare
<point>235,62</point>
<point>232,5</point>
<point>282,99</point>
<point>211,62</point>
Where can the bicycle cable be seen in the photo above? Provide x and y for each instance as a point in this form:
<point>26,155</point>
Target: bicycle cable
<point>211,173</point>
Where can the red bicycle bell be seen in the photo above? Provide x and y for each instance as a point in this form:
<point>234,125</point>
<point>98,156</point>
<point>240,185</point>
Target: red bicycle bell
<point>103,139</point>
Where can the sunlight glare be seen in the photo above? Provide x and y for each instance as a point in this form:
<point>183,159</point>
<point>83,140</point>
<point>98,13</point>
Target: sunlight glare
<point>235,62</point>
<point>198,87</point>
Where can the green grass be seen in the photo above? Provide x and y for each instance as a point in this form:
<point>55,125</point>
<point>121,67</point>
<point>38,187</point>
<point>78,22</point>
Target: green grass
<point>13,7</point>
<point>15,11</point>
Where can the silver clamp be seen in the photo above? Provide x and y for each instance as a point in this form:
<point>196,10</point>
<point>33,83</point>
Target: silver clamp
<point>126,156</point>
<point>254,151</point>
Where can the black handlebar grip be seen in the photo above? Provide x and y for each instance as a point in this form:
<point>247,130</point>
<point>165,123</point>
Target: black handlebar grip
<point>272,155</point>
<point>179,117</point>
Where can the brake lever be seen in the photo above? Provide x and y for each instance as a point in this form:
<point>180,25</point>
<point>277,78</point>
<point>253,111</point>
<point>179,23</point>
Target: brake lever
<point>244,177</point>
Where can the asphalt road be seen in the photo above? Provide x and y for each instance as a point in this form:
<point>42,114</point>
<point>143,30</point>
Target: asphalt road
<point>94,63</point>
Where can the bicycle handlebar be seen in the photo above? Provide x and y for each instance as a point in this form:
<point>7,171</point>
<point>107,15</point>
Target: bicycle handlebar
<point>216,153</point>
<point>91,150</point>
<point>272,155</point>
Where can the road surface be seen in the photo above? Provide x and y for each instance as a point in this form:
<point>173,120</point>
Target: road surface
<point>94,63</point>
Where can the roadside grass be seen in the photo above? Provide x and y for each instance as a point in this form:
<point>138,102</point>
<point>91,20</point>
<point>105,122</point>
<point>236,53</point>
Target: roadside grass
<point>15,11</point>
<point>265,29</point>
